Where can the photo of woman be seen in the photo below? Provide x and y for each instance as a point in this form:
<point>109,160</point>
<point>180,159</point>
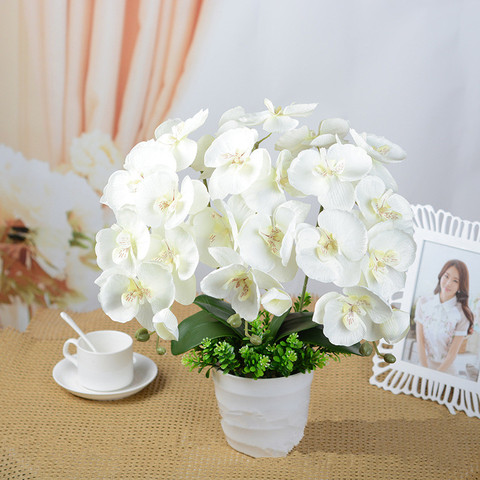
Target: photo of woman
<point>444,320</point>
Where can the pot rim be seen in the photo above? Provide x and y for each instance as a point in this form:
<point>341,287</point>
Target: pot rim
<point>219,371</point>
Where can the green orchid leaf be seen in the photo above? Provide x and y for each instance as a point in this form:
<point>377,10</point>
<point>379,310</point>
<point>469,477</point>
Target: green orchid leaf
<point>275,325</point>
<point>220,310</point>
<point>312,333</point>
<point>315,336</point>
<point>194,329</point>
<point>295,322</point>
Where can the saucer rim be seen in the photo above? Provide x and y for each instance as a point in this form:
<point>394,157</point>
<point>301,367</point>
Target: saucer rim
<point>80,391</point>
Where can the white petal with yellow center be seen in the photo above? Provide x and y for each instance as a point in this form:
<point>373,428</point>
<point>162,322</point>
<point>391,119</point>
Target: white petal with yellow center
<point>175,250</point>
<point>211,229</point>
<point>124,243</point>
<point>239,174</point>
<point>234,283</point>
<point>379,204</point>
<point>342,325</point>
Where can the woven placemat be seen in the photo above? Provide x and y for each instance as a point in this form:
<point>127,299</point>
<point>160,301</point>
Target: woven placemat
<point>171,429</point>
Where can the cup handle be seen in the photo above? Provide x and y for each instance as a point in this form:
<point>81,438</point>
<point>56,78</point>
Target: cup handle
<point>66,353</point>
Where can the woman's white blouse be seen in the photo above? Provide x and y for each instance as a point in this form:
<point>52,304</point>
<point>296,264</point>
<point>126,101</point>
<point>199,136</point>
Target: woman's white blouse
<point>441,322</point>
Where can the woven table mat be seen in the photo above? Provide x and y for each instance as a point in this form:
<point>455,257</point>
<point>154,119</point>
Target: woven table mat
<point>171,429</point>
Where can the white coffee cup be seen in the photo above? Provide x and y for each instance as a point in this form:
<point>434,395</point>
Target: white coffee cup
<point>110,367</point>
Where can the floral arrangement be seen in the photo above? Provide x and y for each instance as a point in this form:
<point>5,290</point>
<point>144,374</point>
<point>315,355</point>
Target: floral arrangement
<point>48,222</point>
<point>327,210</point>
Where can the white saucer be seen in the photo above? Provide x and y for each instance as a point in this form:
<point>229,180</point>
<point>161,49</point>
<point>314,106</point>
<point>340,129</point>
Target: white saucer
<point>145,370</point>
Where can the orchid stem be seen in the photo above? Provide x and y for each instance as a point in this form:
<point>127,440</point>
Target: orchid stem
<point>376,349</point>
<point>260,141</point>
<point>302,296</point>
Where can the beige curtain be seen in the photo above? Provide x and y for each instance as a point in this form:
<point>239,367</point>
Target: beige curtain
<point>111,65</point>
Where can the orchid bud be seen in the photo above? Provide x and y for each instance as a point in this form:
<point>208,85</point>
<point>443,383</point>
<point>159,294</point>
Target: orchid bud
<point>142,335</point>
<point>234,320</point>
<point>255,340</point>
<point>389,358</point>
<point>161,350</point>
<point>366,349</point>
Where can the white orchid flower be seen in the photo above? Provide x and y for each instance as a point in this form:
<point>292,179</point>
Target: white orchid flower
<point>234,282</point>
<point>377,204</point>
<point>236,164</point>
<point>382,152</point>
<point>331,252</point>
<point>276,301</point>
<point>144,159</point>
<point>124,296</point>
<point>295,140</point>
<point>278,119</point>
<point>175,250</point>
<point>238,283</point>
<point>390,253</point>
<point>266,243</point>
<point>214,229</point>
<point>166,324</point>
<point>379,148</point>
<point>357,314</point>
<point>147,157</point>
<point>328,174</point>
<point>173,134</point>
<point>124,243</point>
<point>265,194</point>
<point>231,119</point>
<point>330,131</point>
<point>161,203</point>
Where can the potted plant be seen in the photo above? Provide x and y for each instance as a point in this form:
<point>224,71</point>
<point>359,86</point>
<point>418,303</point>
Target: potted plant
<point>327,209</point>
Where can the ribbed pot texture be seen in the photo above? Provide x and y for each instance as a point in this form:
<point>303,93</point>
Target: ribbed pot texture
<point>264,417</point>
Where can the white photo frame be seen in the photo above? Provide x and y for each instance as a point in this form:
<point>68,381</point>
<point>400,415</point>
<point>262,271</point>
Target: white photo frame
<point>440,237</point>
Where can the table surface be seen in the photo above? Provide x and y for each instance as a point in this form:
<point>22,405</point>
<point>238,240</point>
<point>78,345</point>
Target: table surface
<point>171,429</point>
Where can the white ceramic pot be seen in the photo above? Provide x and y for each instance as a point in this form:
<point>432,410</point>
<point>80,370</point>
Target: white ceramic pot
<point>264,417</point>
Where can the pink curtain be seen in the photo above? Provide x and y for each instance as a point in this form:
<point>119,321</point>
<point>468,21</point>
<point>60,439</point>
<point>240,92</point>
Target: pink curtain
<point>111,65</point>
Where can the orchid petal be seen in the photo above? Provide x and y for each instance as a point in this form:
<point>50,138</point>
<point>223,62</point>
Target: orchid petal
<point>110,298</point>
<point>397,327</point>
<point>349,232</point>
<point>185,290</point>
<point>200,197</point>
<point>230,145</point>
<point>319,311</point>
<point>166,324</point>
<point>276,301</point>
<point>334,326</point>
<point>337,194</point>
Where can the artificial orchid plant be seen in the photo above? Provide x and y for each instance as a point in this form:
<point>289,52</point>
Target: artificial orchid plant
<point>327,209</point>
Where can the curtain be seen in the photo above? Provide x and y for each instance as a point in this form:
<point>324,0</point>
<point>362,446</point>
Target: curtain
<point>108,65</point>
<point>107,68</point>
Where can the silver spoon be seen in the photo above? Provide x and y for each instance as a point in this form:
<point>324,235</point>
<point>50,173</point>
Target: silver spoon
<point>70,321</point>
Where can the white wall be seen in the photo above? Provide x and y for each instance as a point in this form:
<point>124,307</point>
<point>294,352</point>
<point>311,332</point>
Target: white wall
<point>409,71</point>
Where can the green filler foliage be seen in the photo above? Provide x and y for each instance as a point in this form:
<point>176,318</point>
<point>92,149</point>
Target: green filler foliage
<point>267,347</point>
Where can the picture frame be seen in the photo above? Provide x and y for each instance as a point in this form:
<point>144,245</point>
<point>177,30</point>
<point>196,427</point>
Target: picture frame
<point>439,359</point>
